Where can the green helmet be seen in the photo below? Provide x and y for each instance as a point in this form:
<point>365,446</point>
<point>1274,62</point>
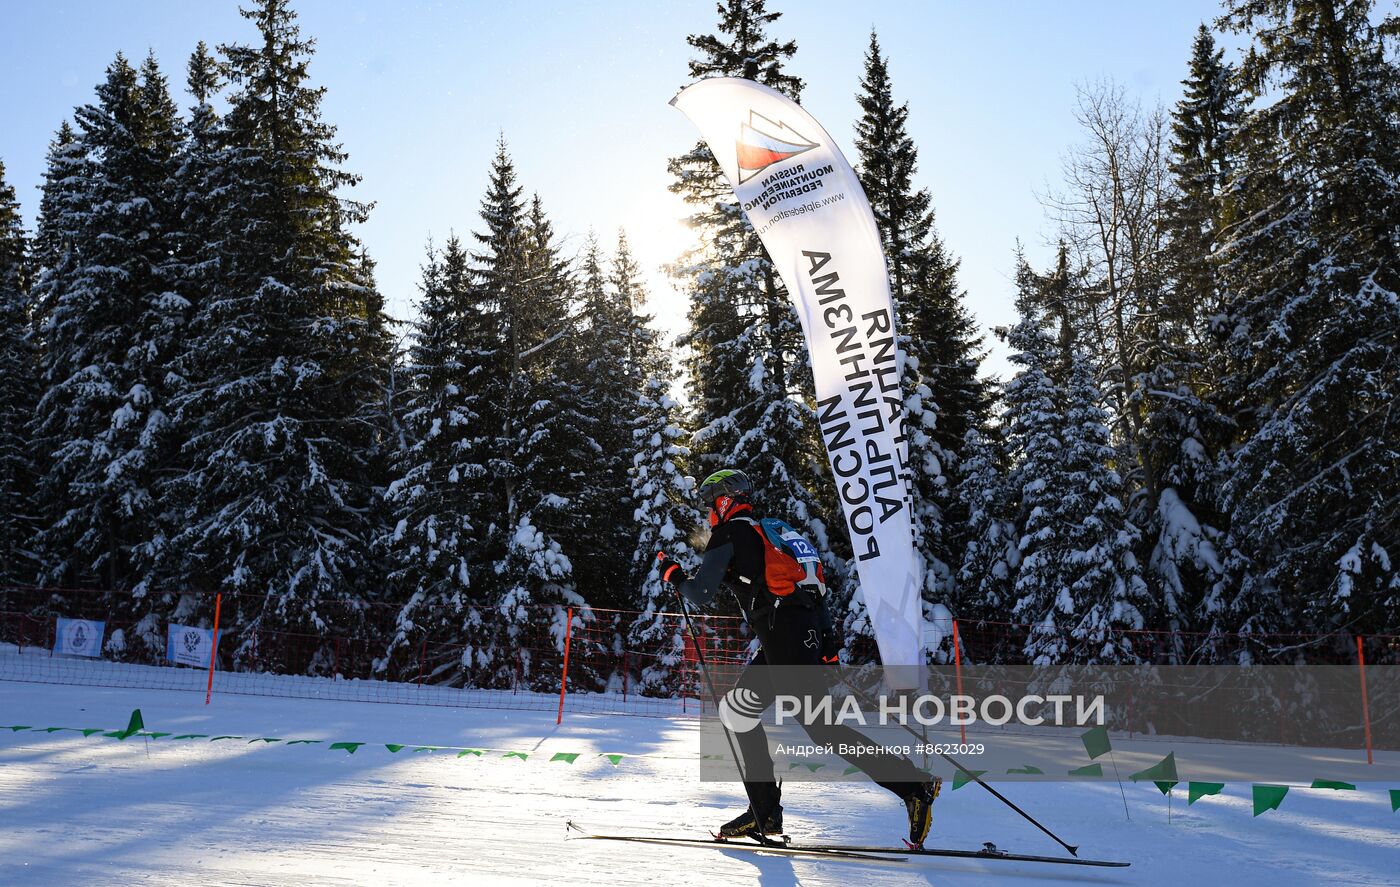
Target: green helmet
<point>729,482</point>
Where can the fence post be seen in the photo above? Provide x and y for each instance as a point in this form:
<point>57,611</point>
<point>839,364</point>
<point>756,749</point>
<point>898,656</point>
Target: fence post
<point>564,678</point>
<point>624,675</point>
<point>213,647</point>
<point>957,666</point>
<point>1365,702</point>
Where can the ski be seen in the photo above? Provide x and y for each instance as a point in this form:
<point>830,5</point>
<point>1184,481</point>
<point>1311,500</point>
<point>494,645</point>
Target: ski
<point>722,844</point>
<point>871,853</point>
<point>988,851</point>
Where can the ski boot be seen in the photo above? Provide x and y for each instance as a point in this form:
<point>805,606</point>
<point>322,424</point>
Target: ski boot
<point>745,826</point>
<point>919,804</point>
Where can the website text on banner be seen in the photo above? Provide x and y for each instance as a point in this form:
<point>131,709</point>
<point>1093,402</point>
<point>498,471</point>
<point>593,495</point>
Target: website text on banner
<point>807,206</point>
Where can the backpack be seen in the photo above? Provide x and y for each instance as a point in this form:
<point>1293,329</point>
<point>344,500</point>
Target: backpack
<point>789,559</point>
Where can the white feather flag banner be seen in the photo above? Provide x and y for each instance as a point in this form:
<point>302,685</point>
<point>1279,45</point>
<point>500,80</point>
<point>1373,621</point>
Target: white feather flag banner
<point>806,204</point>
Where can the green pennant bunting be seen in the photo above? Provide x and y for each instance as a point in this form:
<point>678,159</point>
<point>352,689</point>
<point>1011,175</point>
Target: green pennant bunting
<point>393,747</point>
<point>91,730</point>
<point>18,727</point>
<point>136,723</point>
<point>427,748</point>
<point>1268,797</point>
<point>155,735</point>
<point>567,757</point>
<point>268,739</point>
<point>1162,771</point>
<point>1090,770</point>
<point>1197,790</point>
<point>516,754</point>
<point>470,751</point>
<point>348,746</point>
<point>963,777</point>
<point>1096,742</point>
<point>615,758</point>
<point>1394,799</point>
<point>55,729</point>
<point>217,738</point>
<point>1333,784</point>
<point>187,735</point>
<point>849,770</point>
<point>304,741</point>
<point>1164,786</point>
<point>1027,770</point>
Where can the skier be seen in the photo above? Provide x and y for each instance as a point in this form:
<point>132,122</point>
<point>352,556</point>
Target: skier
<point>784,602</point>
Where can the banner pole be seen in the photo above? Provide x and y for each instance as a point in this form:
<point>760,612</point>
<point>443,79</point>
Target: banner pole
<point>1365,702</point>
<point>564,678</point>
<point>214,647</point>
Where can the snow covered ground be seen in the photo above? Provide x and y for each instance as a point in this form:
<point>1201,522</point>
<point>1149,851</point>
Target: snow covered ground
<point>77,809</point>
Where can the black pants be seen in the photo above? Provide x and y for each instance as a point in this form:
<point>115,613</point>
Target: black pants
<point>791,636</point>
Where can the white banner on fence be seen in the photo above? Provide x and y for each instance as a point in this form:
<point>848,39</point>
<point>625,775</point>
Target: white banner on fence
<point>186,645</point>
<point>807,206</point>
<point>79,637</point>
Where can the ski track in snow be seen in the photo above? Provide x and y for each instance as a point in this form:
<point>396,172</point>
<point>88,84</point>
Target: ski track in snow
<point>96,810</point>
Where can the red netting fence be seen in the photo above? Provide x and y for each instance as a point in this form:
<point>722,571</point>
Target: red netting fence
<point>620,661</point>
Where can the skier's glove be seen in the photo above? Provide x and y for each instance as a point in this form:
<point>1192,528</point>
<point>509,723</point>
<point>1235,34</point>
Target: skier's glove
<point>670,569</point>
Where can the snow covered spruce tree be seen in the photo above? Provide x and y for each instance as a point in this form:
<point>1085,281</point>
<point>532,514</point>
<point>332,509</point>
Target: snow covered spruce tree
<point>1078,583</point>
<point>433,545</point>
<point>1311,272</point>
<point>109,317</point>
<point>286,354</point>
<point>989,556</point>
<point>612,347</point>
<point>18,365</point>
<point>748,374</point>
<point>944,399</point>
<point>664,514</point>
<point>530,449</point>
<point>1184,430</point>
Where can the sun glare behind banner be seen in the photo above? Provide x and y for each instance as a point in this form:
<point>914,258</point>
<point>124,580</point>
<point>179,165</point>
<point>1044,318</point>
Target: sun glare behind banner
<point>805,203</point>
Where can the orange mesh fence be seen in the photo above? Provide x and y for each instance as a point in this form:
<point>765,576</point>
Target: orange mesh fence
<point>621,662</point>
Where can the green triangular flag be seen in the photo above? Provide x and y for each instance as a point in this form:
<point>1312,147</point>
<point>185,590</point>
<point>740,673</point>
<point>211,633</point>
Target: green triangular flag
<point>1197,790</point>
<point>348,746</point>
<point>1090,770</point>
<point>963,777</point>
<point>393,747</point>
<point>18,727</point>
<point>1096,742</point>
<point>469,751</point>
<point>268,739</point>
<point>517,754</point>
<point>849,770</point>
<point>136,723</point>
<point>1394,799</point>
<point>1027,770</point>
<point>614,758</point>
<point>90,730</point>
<point>1162,771</point>
<point>567,757</point>
<point>1268,797</point>
<point>217,738</point>
<point>186,735</point>
<point>303,742</point>
<point>1164,786</point>
<point>157,735</point>
<point>55,729</point>
<point>1333,784</point>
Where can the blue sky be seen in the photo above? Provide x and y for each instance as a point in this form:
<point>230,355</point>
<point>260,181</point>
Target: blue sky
<point>420,91</point>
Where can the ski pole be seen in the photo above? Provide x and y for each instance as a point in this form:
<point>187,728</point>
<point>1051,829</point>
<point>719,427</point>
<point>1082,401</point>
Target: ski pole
<point>1072,848</point>
<point>714,694</point>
